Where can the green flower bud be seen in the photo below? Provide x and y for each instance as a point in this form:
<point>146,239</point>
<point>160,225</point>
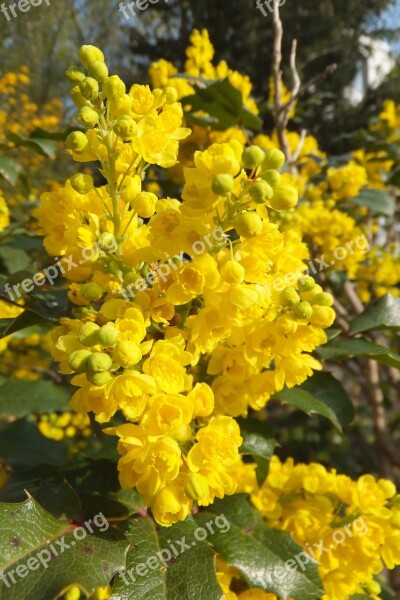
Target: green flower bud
<point>98,70</point>
<point>78,360</point>
<point>75,74</point>
<point>88,117</point>
<point>222,184</point>
<point>108,335</point>
<point>92,291</point>
<point>89,88</point>
<point>88,334</point>
<point>274,159</point>
<point>125,127</point>
<point>171,95</point>
<point>285,197</point>
<point>289,297</point>
<point>77,97</point>
<point>303,310</point>
<point>306,284</point>
<point>82,183</point>
<point>248,224</point>
<point>77,141</point>
<point>99,379</point>
<point>113,87</point>
<point>271,176</point>
<point>89,54</point>
<point>261,191</point>
<point>99,362</point>
<point>252,157</point>
<point>322,299</point>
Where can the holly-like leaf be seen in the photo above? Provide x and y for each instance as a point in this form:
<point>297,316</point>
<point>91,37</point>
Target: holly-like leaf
<point>41,555</point>
<point>19,398</point>
<point>378,201</point>
<point>42,146</point>
<point>224,106</point>
<point>344,349</point>
<point>321,394</point>
<point>22,446</point>
<point>267,558</point>
<point>28,318</point>
<point>161,568</point>
<point>9,169</point>
<point>259,442</point>
<point>14,259</point>
<point>383,314</point>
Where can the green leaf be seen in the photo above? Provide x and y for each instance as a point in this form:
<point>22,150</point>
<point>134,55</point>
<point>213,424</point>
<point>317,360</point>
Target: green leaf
<point>344,349</point>
<point>9,169</point>
<point>22,446</point>
<point>261,554</point>
<point>14,259</point>
<point>258,441</point>
<point>45,147</point>
<point>29,532</point>
<point>379,202</point>
<point>383,314</point>
<point>224,106</point>
<point>321,394</point>
<point>183,574</point>
<point>26,319</point>
<point>58,136</point>
<point>19,398</point>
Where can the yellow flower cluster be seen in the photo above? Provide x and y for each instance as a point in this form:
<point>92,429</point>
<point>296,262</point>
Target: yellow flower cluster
<point>312,504</point>
<point>57,426</point>
<point>196,311</point>
<point>25,356</point>
<point>101,593</point>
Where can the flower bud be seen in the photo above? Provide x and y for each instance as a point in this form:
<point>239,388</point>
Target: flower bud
<point>125,127</point>
<point>126,354</point>
<point>306,284</point>
<point>98,70</point>
<point>77,97</point>
<point>88,117</point>
<point>222,184</point>
<point>89,88</point>
<point>108,335</point>
<point>78,360</point>
<point>252,157</point>
<point>261,191</point>
<point>99,379</point>
<point>248,224</point>
<point>144,204</point>
<point>88,334</point>
<point>99,362</point>
<point>322,299</point>
<point>92,291</point>
<point>113,87</point>
<point>120,106</point>
<point>232,272</point>
<point>289,297</point>
<point>196,486</point>
<point>74,593</point>
<point>77,142</point>
<point>303,310</point>
<point>271,176</point>
<point>323,316</point>
<point>75,74</point>
<point>274,159</point>
<point>82,183</point>
<point>89,54</point>
<point>132,187</point>
<point>171,95</point>
<point>285,197</point>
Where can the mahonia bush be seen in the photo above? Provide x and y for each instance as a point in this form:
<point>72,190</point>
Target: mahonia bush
<point>190,313</point>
